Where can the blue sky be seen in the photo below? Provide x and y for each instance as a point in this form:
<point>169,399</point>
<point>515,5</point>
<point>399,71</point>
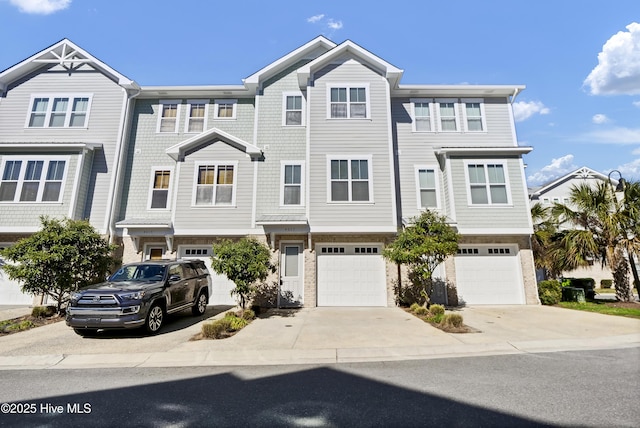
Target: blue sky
<point>579,60</point>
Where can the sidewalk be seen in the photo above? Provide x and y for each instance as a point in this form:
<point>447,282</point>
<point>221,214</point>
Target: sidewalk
<point>328,336</point>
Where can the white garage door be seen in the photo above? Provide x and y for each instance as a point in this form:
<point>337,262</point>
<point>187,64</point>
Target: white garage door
<point>222,286</point>
<point>350,275</point>
<point>489,275</point>
<point>10,293</point>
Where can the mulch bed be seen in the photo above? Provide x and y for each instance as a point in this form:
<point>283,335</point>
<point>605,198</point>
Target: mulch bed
<point>446,328</point>
<point>5,326</point>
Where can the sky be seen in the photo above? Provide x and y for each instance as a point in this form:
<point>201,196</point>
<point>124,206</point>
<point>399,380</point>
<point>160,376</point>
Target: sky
<point>579,60</point>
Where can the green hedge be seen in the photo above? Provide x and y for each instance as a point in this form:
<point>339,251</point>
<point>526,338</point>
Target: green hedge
<point>550,292</point>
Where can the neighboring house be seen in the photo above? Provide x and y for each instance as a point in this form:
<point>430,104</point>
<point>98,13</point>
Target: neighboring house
<point>62,116</point>
<point>559,191</point>
<point>324,156</point>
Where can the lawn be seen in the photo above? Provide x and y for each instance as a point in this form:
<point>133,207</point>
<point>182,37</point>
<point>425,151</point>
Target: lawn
<point>630,309</point>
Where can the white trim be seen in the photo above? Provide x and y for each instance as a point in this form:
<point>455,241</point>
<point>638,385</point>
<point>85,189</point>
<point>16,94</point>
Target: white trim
<point>178,150</point>
<point>495,231</point>
<point>484,163</point>
<point>155,169</point>
<point>73,201</point>
<point>394,185</point>
<point>148,246</point>
<point>41,181</point>
<point>303,108</point>
<point>483,121</point>
<point>452,201</point>
<point>349,158</point>
<point>215,164</point>
<point>525,191</point>
<point>438,181</point>
<point>217,232</point>
<point>301,164</point>
<point>282,255</point>
<point>432,121</point>
<point>188,117</point>
<point>456,113</point>
<point>161,104</point>
<point>348,86</point>
<point>174,200</point>
<point>353,229</point>
<point>19,229</point>
<point>225,101</point>
<point>67,118</point>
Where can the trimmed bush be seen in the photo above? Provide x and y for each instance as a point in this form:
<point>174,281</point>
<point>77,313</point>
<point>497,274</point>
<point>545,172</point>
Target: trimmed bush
<point>248,314</point>
<point>43,311</point>
<point>452,320</point>
<point>550,292</point>
<point>436,318</point>
<point>216,329</point>
<point>414,307</point>
<point>436,310</point>
<point>421,310</point>
<point>606,283</point>
<point>237,323</point>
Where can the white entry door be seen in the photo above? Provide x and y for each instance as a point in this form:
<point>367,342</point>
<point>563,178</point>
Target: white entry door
<point>291,275</point>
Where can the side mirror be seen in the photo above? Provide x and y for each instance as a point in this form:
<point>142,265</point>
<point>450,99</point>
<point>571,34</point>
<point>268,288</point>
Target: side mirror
<point>174,278</point>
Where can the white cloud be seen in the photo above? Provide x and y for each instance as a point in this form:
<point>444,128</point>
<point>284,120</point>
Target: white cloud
<point>630,170</point>
<point>613,136</point>
<point>523,110</point>
<point>636,151</point>
<point>315,18</point>
<point>599,119</point>
<point>618,69</point>
<point>636,103</point>
<point>334,25</point>
<point>558,167</point>
<point>40,7</point>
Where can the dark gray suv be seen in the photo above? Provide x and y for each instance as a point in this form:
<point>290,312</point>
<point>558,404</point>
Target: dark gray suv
<point>140,295</point>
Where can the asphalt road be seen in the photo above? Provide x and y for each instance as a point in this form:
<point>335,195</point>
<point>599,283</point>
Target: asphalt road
<point>588,388</point>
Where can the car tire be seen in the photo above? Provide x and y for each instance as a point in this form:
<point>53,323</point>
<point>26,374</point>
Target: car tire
<point>86,332</point>
<point>154,319</point>
<point>200,305</point>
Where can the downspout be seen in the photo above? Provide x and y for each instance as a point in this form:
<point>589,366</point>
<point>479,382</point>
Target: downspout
<point>125,121</point>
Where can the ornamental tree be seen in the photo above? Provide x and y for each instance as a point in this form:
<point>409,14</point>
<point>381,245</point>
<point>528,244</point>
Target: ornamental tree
<point>245,262</point>
<point>62,257</point>
<point>422,246</point>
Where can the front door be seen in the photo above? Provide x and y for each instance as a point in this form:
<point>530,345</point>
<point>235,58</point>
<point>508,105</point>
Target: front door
<point>291,281</point>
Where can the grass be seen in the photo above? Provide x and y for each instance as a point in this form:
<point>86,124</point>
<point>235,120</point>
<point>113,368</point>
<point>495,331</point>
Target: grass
<point>603,308</point>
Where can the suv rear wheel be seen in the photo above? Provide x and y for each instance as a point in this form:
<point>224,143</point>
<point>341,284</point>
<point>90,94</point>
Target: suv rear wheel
<point>200,306</point>
<point>154,320</point>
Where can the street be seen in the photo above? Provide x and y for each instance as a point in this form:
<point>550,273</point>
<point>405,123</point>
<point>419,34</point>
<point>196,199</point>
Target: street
<point>586,388</point>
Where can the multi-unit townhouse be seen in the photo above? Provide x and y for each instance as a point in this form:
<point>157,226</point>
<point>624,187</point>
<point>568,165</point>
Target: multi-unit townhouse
<point>323,155</point>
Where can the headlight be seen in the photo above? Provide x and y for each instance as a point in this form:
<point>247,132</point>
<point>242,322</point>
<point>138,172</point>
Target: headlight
<point>137,295</point>
<point>76,296</point>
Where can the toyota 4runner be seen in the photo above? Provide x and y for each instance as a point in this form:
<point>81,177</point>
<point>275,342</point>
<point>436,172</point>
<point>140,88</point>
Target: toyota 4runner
<point>141,295</point>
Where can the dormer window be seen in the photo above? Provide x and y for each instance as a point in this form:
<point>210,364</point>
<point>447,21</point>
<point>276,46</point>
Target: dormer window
<point>59,111</point>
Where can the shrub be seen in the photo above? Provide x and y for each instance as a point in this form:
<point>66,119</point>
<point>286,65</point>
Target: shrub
<point>43,311</point>
<point>22,325</point>
<point>436,318</point>
<point>248,314</point>
<point>452,320</point>
<point>436,310</point>
<point>216,329</point>
<point>414,307</point>
<point>421,310</point>
<point>606,283</point>
<point>550,292</point>
<point>237,323</point>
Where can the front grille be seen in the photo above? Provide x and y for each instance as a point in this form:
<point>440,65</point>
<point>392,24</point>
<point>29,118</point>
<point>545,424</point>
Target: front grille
<point>98,300</point>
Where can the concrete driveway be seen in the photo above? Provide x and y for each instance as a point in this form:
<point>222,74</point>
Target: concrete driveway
<point>325,335</point>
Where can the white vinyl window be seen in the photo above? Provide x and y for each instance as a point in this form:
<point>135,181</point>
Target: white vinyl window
<point>487,184</point>
<point>350,179</point>
<point>160,183</point>
<point>293,106</point>
<point>215,184</point>
<point>197,111</point>
<point>292,190</point>
<point>168,116</point>
<point>447,115</point>
<point>422,115</point>
<point>59,111</point>
<point>225,109</point>
<point>426,181</point>
<point>348,102</point>
<point>32,180</point>
<point>474,115</point>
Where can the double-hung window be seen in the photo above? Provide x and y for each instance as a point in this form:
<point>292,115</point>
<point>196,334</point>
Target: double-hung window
<point>487,184</point>
<point>348,102</point>
<point>293,109</point>
<point>427,187</point>
<point>215,184</point>
<point>32,180</point>
<point>196,116</point>
<point>292,187</point>
<point>159,198</point>
<point>447,115</point>
<point>350,179</point>
<point>59,111</point>
<point>168,117</point>
<point>225,109</point>
<point>474,115</point>
<point>422,115</point>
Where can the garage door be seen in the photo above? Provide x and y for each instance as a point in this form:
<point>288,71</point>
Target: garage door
<point>10,293</point>
<point>350,275</point>
<point>222,286</point>
<point>489,275</point>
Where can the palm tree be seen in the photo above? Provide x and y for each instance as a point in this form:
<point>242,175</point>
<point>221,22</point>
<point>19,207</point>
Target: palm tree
<point>630,217</point>
<point>596,233</point>
<point>544,231</point>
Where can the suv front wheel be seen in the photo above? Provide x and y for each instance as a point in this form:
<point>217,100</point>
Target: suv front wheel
<point>154,320</point>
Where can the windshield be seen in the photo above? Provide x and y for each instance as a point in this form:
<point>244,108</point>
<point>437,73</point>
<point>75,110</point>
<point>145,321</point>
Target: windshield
<point>139,273</point>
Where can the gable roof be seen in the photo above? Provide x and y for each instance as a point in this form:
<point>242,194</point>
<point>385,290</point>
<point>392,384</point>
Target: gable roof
<point>178,151</point>
<point>67,54</point>
<point>390,72</point>
<point>583,172</point>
